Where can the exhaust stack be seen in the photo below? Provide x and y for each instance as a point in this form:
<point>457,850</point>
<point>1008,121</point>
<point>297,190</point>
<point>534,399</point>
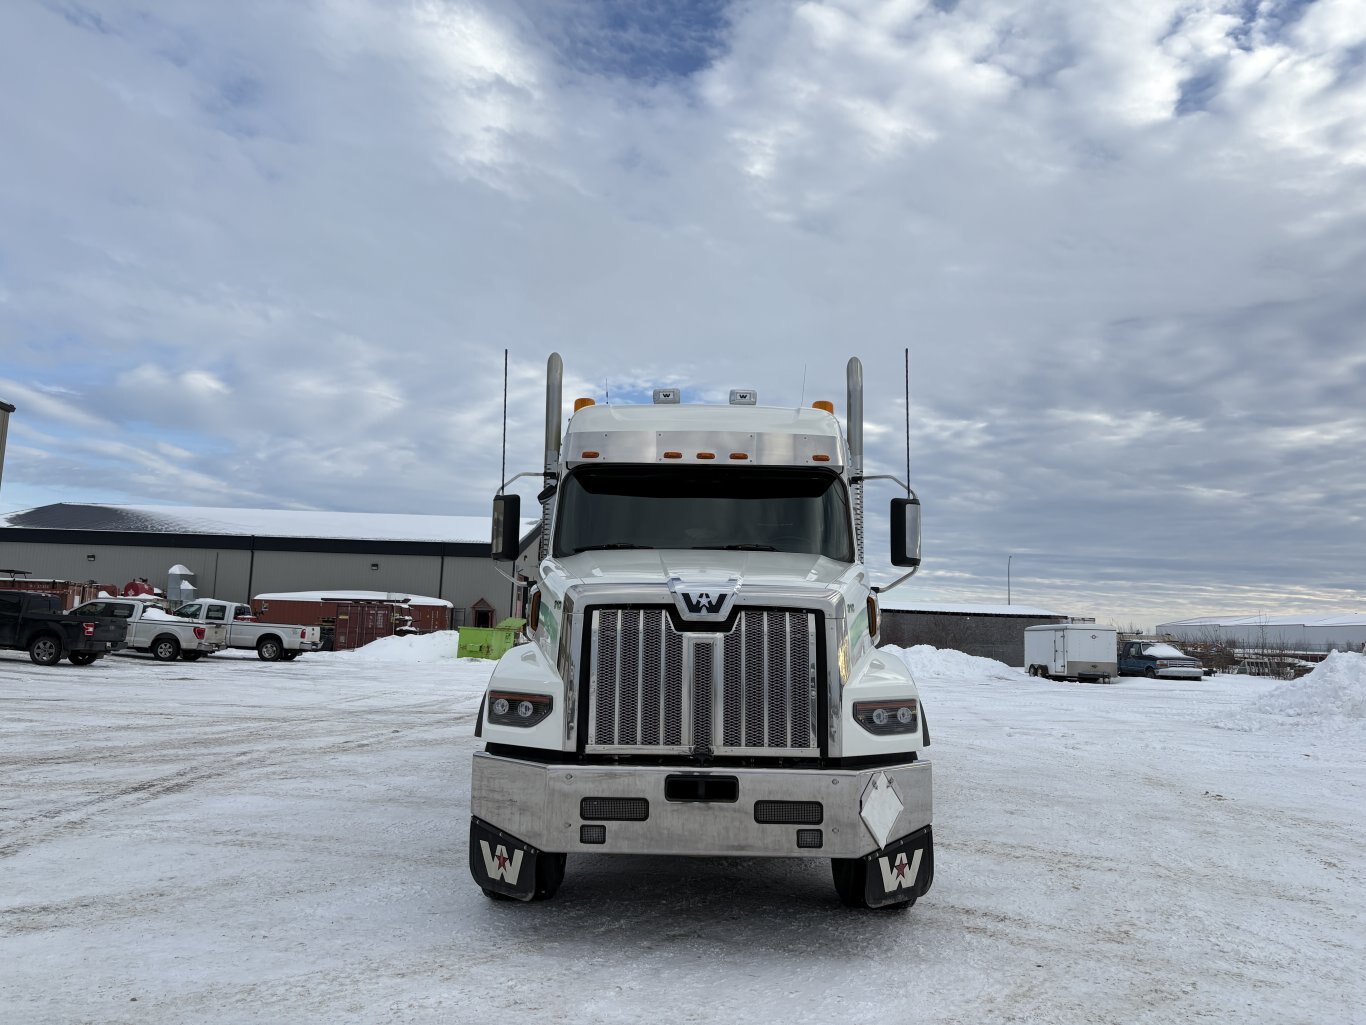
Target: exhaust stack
<point>854,430</point>
<point>554,391</point>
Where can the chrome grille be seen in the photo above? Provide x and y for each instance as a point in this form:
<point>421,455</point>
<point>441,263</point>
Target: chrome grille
<point>653,689</point>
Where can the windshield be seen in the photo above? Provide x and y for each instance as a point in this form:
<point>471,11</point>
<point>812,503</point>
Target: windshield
<point>754,509</point>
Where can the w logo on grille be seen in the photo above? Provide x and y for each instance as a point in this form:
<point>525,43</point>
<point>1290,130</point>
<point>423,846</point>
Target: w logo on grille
<point>707,603</point>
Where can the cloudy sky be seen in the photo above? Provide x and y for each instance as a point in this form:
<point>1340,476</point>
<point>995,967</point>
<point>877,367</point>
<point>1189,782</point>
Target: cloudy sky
<point>270,255</point>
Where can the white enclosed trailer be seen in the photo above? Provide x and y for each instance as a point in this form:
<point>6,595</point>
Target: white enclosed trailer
<point>1071,651</point>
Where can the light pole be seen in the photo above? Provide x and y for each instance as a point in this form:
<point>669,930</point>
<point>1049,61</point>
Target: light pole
<point>5,410</point>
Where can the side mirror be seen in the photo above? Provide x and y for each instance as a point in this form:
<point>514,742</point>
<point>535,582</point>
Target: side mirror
<point>906,532</point>
<point>507,524</point>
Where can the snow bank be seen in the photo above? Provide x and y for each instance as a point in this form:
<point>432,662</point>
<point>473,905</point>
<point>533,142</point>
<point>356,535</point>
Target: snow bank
<point>928,661</point>
<point>1336,688</point>
<point>432,647</point>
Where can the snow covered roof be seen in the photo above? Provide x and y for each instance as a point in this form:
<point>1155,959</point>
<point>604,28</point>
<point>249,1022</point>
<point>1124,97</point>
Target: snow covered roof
<point>970,610</point>
<point>290,523</point>
<point>394,596</point>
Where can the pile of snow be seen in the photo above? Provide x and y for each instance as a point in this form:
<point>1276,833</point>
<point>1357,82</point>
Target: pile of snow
<point>152,612</point>
<point>432,647</point>
<point>1336,688</point>
<point>928,661</point>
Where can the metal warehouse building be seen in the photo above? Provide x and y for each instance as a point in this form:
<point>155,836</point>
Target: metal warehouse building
<point>1345,632</point>
<point>239,553</point>
<point>988,631</point>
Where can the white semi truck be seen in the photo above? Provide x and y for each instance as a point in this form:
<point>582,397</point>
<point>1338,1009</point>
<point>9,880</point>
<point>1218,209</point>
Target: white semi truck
<point>703,677</point>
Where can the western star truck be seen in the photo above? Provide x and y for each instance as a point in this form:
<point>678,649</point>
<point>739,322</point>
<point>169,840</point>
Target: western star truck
<point>702,676</point>
<point>1071,651</point>
<point>152,629</point>
<point>271,641</point>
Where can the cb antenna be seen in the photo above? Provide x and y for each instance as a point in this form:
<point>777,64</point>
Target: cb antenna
<point>503,470</point>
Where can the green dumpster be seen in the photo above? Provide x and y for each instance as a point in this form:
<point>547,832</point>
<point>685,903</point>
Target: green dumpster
<point>489,641</point>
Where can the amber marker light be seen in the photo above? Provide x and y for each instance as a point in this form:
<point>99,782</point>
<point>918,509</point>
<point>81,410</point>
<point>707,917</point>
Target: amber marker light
<point>828,406</point>
<point>581,403</point>
<point>589,454</point>
<point>673,455</point>
<point>706,455</point>
<point>739,455</point>
<point>820,457</point>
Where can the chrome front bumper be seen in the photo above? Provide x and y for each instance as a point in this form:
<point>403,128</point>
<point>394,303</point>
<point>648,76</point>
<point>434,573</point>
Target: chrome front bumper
<point>544,806</point>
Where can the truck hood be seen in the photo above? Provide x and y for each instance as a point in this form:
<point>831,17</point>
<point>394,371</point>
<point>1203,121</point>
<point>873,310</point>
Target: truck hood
<point>656,566</point>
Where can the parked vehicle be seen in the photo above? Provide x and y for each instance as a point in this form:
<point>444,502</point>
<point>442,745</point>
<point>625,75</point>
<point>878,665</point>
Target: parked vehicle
<point>1280,667</point>
<point>34,622</point>
<point>271,641</point>
<point>1071,651</point>
<point>152,629</point>
<point>703,677</point>
<point>1158,660</point>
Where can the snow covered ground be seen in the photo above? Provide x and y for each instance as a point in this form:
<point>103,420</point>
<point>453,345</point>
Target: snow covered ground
<point>238,841</point>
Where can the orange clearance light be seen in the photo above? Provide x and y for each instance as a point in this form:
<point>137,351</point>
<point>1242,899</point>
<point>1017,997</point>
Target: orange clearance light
<point>820,457</point>
<point>739,455</point>
<point>590,454</point>
<point>673,455</point>
<point>706,455</point>
<point>829,407</point>
<point>580,403</point>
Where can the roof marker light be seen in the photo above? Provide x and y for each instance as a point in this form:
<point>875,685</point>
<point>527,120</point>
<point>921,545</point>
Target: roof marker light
<point>581,403</point>
<point>824,404</point>
<point>739,455</point>
<point>673,455</point>
<point>590,454</point>
<point>820,457</point>
<point>706,455</point>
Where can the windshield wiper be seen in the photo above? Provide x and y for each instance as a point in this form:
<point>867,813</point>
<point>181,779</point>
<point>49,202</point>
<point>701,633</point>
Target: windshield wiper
<point>613,546</point>
<point>734,548</point>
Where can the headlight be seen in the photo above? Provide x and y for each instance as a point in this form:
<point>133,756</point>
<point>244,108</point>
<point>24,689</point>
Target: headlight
<point>885,718</point>
<point>509,709</point>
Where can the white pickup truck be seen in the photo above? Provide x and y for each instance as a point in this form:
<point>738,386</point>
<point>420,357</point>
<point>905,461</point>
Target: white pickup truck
<point>272,641</point>
<point>152,629</point>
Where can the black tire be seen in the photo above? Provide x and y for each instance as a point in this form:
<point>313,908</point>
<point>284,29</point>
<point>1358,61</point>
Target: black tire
<point>288,656</point>
<point>851,882</point>
<point>191,656</point>
<point>1150,673</point>
<point>269,649</point>
<point>165,648</point>
<point>45,649</point>
<point>82,658</point>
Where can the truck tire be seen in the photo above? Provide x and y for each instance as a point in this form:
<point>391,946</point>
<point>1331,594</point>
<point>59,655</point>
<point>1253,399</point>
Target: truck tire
<point>851,881</point>
<point>191,656</point>
<point>289,656</point>
<point>269,649</point>
<point>45,649</point>
<point>165,648</point>
<point>1150,673</point>
<point>82,658</point>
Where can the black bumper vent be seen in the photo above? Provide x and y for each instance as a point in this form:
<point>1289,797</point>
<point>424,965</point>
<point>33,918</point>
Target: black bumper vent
<point>789,813</point>
<point>614,809</point>
<point>810,838</point>
<point>594,834</point>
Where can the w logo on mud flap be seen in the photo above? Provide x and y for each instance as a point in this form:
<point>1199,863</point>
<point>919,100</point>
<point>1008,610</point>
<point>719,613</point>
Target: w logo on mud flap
<point>499,866</point>
<point>899,873</point>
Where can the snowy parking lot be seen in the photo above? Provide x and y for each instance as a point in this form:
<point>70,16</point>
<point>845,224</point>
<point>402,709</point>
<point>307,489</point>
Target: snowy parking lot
<point>238,841</point>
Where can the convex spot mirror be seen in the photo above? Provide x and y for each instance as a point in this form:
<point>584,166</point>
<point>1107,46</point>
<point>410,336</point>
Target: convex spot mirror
<point>507,521</point>
<point>906,532</point>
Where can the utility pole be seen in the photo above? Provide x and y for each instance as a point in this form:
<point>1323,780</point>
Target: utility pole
<point>5,410</point>
<point>1008,558</point>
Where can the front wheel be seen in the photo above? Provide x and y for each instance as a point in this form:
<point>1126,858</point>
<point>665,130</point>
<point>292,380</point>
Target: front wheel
<point>45,650</point>
<point>82,658</point>
<point>269,649</point>
<point>1150,673</point>
<point>165,649</point>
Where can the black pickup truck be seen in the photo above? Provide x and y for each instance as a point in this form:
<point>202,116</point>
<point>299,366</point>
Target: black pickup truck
<point>33,621</point>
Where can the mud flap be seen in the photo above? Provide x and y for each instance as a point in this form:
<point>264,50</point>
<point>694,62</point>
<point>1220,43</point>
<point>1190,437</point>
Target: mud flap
<point>502,863</point>
<point>902,871</point>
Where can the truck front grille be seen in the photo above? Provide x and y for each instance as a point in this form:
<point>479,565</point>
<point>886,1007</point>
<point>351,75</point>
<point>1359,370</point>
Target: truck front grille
<point>654,689</point>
